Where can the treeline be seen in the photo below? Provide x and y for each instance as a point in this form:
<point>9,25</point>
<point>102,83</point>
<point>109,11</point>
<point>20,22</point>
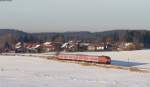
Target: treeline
<point>8,37</point>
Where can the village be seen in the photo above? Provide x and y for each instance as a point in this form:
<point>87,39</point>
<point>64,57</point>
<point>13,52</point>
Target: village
<point>74,46</point>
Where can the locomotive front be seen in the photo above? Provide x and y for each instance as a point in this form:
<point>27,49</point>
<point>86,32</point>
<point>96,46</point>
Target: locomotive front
<point>104,59</point>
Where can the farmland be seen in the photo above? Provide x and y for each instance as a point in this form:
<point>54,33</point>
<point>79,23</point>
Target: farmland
<point>25,71</point>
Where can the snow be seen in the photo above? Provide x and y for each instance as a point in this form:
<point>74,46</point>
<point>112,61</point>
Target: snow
<point>23,71</point>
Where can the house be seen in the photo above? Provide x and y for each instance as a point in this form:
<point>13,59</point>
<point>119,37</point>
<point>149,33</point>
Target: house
<point>108,47</point>
<point>83,46</point>
<point>130,46</point>
<point>19,47</point>
<point>91,47</point>
<point>48,47</point>
<point>100,47</point>
<point>70,46</point>
<point>33,48</point>
<point>65,45</point>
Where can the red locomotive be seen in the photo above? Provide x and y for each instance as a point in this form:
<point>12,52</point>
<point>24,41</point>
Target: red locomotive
<point>85,58</point>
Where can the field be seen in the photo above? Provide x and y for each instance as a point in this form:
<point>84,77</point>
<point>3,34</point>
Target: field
<point>25,71</point>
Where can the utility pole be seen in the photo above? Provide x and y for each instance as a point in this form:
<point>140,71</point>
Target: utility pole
<point>128,62</point>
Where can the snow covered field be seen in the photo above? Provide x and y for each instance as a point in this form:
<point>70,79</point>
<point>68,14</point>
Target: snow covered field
<point>22,71</point>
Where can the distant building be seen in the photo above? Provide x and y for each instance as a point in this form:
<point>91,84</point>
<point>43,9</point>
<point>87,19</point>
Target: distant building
<point>33,48</point>
<point>130,46</point>
<point>20,47</point>
<point>91,48</point>
<point>100,48</point>
<point>48,47</point>
<point>71,46</point>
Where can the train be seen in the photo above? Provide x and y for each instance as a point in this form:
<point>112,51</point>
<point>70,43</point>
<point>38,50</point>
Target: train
<point>85,58</point>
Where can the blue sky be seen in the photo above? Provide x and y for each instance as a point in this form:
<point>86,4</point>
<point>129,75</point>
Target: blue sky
<point>74,15</point>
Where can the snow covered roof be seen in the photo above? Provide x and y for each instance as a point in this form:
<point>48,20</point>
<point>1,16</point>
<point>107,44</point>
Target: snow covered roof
<point>47,43</point>
<point>64,45</point>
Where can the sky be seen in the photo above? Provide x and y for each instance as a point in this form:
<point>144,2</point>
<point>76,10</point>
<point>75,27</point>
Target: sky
<point>74,15</point>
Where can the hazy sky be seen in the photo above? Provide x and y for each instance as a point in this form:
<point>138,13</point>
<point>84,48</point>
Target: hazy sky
<point>74,15</point>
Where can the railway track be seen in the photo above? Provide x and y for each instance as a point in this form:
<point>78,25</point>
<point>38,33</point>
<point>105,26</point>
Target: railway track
<point>50,57</point>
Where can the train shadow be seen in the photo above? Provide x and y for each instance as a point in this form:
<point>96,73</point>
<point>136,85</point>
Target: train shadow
<point>126,63</point>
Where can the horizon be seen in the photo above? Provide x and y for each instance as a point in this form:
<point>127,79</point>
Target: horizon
<point>81,31</point>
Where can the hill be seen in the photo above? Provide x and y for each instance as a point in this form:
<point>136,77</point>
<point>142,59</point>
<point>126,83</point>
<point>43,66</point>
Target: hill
<point>140,36</point>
